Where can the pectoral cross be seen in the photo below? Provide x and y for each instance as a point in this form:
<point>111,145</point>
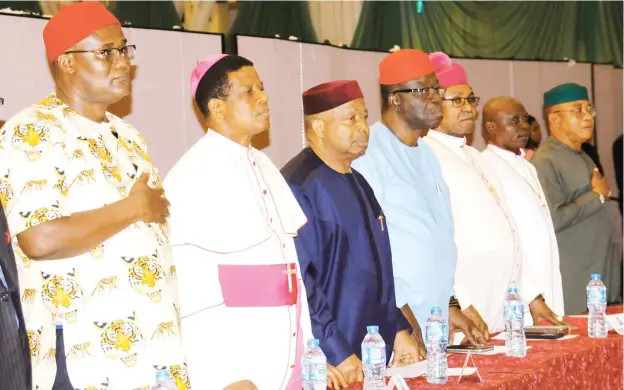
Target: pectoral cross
<point>381,219</point>
<point>289,271</point>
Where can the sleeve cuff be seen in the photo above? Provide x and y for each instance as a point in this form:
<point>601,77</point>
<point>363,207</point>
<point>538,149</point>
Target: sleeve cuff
<point>590,200</point>
<point>464,302</point>
<point>402,323</point>
<point>336,349</point>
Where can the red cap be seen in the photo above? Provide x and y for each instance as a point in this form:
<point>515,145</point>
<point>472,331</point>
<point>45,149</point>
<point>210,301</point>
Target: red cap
<point>448,72</point>
<point>330,95</point>
<point>72,24</point>
<point>404,65</point>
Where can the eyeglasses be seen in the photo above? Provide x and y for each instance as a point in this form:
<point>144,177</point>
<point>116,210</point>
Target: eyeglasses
<point>459,102</point>
<point>425,93</point>
<point>110,54</point>
<point>591,110</point>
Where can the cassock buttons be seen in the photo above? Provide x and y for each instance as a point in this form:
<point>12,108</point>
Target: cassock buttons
<point>264,192</point>
<point>254,163</point>
<point>294,334</point>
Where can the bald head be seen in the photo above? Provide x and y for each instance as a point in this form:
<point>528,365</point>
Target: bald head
<point>506,123</point>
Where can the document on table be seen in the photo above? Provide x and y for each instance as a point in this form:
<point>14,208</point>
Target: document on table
<point>420,369</point>
<point>503,336</point>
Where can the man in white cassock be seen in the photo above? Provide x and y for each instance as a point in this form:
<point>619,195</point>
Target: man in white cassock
<point>489,248</point>
<point>244,313</point>
<point>508,130</point>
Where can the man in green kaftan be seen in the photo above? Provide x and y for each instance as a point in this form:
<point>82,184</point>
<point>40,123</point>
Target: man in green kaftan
<point>576,193</point>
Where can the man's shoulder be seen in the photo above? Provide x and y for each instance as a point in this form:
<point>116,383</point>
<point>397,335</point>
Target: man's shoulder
<point>544,154</point>
<point>41,119</point>
<point>35,113</point>
<point>300,170</point>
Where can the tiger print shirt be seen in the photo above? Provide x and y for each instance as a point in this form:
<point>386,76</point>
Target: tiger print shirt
<point>116,303</point>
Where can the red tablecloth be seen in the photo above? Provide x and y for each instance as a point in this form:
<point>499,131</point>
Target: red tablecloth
<point>580,363</point>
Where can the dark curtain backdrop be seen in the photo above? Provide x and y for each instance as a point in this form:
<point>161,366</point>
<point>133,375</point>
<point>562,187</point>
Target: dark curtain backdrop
<point>583,31</point>
<point>156,14</point>
<point>267,18</point>
<point>25,6</point>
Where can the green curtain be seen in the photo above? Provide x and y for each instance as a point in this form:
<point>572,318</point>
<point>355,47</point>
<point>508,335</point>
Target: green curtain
<point>25,6</point>
<point>583,31</point>
<point>267,18</point>
<point>155,14</point>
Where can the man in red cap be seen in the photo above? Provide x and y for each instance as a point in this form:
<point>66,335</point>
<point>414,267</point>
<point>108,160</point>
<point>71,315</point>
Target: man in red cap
<point>409,185</point>
<point>88,220</point>
<point>344,248</point>
<point>233,220</point>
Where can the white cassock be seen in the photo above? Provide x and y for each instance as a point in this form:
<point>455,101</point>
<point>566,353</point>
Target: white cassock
<point>527,203</point>
<point>243,307</point>
<point>489,255</point>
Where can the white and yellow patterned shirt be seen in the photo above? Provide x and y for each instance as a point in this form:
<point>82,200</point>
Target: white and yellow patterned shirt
<point>117,304</point>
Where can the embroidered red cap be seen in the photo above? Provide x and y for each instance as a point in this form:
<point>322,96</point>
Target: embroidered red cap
<point>327,96</point>
<point>72,24</point>
<point>404,65</point>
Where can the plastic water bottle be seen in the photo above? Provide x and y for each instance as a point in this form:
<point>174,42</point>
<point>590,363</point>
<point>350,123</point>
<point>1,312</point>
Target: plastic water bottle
<point>514,324</point>
<point>314,367</point>
<point>374,359</point>
<point>163,381</point>
<point>436,336</point>
<point>597,306</point>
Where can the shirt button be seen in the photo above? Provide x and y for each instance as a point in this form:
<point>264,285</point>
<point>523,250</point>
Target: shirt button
<point>294,334</point>
<point>254,163</point>
<point>293,366</point>
<point>270,219</point>
<point>264,192</point>
<point>283,245</point>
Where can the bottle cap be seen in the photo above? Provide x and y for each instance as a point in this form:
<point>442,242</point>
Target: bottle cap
<point>436,310</point>
<point>595,276</point>
<point>313,343</point>
<point>162,375</point>
<point>372,329</point>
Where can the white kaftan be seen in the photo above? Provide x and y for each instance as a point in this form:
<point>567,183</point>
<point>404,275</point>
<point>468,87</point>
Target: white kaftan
<point>230,206</point>
<point>527,203</point>
<point>489,255</point>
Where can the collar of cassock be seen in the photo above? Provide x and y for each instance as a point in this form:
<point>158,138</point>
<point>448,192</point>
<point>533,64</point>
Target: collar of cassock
<point>448,140</point>
<point>227,144</point>
<point>504,153</point>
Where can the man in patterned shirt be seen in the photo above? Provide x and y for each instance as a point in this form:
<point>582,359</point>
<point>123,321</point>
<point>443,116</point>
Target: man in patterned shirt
<point>87,217</point>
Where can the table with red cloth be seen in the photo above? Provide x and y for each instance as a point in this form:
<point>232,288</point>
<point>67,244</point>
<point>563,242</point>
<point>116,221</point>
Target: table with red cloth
<point>579,363</point>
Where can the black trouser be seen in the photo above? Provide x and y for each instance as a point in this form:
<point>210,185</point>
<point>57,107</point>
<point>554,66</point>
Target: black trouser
<point>61,382</point>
